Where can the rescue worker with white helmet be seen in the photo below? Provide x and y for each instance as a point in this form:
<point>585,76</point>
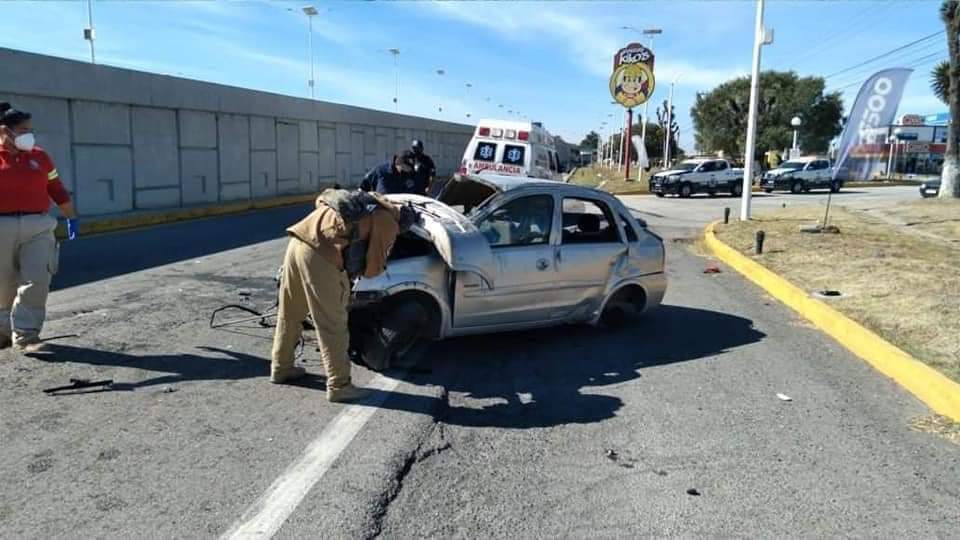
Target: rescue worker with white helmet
<point>28,248</point>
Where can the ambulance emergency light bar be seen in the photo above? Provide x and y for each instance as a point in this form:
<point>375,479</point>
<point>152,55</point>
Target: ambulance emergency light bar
<point>498,133</point>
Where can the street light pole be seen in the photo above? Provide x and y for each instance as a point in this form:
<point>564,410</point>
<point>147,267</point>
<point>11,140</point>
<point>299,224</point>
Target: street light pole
<point>396,67</point>
<point>794,150</point>
<point>88,33</point>
<point>760,38</point>
<point>310,12</point>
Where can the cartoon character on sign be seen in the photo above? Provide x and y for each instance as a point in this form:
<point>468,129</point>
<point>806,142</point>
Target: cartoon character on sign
<point>631,84</point>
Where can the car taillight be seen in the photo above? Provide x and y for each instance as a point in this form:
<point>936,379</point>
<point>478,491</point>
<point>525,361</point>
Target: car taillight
<point>484,132</point>
<point>523,136</point>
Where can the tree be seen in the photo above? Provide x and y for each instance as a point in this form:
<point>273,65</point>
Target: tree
<point>950,175</point>
<point>940,81</point>
<point>591,141</point>
<point>720,116</point>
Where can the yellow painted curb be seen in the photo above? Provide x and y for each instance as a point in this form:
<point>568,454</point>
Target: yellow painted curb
<point>930,386</point>
<point>182,214</point>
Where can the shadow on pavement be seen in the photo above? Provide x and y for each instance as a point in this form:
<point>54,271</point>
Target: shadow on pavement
<point>520,380</point>
<point>98,257</point>
<point>220,364</point>
<point>554,377</point>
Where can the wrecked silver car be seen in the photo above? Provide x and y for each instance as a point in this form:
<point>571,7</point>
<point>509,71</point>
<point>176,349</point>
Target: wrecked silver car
<point>497,253</point>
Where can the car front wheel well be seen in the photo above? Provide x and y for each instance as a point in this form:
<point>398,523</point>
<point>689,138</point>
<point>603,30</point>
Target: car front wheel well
<point>427,302</point>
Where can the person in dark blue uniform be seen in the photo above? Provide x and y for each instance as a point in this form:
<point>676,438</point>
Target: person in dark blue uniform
<point>423,167</point>
<point>395,176</point>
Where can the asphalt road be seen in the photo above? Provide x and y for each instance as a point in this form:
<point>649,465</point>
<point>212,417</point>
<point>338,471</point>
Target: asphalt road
<point>569,432</point>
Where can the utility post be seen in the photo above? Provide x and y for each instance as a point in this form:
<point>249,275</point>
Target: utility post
<point>761,37</point>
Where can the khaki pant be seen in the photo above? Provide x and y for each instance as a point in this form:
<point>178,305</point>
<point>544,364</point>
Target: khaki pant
<point>28,260</point>
<point>312,284</point>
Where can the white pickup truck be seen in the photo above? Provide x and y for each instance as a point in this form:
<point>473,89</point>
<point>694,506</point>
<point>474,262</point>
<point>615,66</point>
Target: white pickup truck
<point>702,175</point>
<point>801,175</point>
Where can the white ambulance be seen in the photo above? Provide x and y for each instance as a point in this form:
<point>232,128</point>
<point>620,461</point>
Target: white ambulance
<point>512,148</point>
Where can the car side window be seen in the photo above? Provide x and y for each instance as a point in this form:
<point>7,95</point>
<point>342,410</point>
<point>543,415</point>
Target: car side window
<point>587,222</point>
<point>525,221</point>
<point>708,167</point>
<point>720,165</point>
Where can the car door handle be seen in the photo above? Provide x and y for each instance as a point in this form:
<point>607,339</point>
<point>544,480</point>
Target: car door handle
<point>543,264</point>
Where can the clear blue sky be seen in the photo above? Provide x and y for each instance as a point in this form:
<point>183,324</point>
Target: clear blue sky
<point>550,61</point>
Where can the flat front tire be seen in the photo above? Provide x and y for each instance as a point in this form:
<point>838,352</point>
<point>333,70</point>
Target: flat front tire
<point>686,191</point>
<point>401,328</point>
<point>796,188</point>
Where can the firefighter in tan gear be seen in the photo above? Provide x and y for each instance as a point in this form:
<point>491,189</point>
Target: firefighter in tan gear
<point>315,280</point>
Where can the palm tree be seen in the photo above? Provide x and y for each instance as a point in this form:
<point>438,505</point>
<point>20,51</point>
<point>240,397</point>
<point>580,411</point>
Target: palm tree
<point>950,176</point>
<point>940,81</point>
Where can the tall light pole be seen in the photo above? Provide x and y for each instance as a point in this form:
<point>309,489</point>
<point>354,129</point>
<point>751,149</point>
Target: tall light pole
<point>310,12</point>
<point>89,33</point>
<point>796,122</point>
<point>761,37</point>
<point>396,67</point>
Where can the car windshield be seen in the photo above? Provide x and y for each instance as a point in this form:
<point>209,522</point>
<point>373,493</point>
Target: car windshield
<point>792,165</point>
<point>686,166</point>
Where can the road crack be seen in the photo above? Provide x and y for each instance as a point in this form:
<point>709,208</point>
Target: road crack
<point>432,444</point>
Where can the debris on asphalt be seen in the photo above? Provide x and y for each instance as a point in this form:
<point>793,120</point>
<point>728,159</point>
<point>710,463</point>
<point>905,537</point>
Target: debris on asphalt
<point>784,397</point>
<point>712,270</point>
<point>79,384</point>
<point>693,492</point>
<point>612,455</point>
<point>828,293</point>
<point>169,390</point>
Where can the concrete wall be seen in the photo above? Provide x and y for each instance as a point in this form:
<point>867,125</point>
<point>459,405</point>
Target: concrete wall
<point>125,140</point>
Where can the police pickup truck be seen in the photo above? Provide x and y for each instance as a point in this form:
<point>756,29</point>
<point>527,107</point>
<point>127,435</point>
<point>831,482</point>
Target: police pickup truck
<point>702,175</point>
<point>800,176</point>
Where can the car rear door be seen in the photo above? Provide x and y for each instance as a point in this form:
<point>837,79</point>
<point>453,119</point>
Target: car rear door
<point>521,232</point>
<point>589,250</point>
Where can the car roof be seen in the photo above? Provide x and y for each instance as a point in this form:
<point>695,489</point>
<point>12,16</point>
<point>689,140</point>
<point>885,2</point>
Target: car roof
<point>806,159</point>
<point>506,183</point>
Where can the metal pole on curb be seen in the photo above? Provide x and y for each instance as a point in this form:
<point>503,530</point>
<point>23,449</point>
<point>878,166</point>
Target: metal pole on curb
<point>758,40</point>
<point>758,246</point>
<point>626,147</point>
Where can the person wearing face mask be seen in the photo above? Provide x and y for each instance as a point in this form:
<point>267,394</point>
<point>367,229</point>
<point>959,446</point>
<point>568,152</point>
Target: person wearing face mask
<point>28,248</point>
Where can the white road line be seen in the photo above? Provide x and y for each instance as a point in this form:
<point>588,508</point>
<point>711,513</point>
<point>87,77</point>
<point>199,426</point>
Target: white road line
<point>265,517</point>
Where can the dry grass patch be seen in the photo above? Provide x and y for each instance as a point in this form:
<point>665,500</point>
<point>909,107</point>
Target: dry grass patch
<point>940,425</point>
<point>903,286</point>
<point>610,180</point>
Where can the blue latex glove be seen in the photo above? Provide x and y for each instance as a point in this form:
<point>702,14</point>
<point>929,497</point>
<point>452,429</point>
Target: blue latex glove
<point>73,228</point>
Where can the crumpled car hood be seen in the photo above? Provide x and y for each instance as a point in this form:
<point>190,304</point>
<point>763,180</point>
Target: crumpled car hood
<point>458,241</point>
